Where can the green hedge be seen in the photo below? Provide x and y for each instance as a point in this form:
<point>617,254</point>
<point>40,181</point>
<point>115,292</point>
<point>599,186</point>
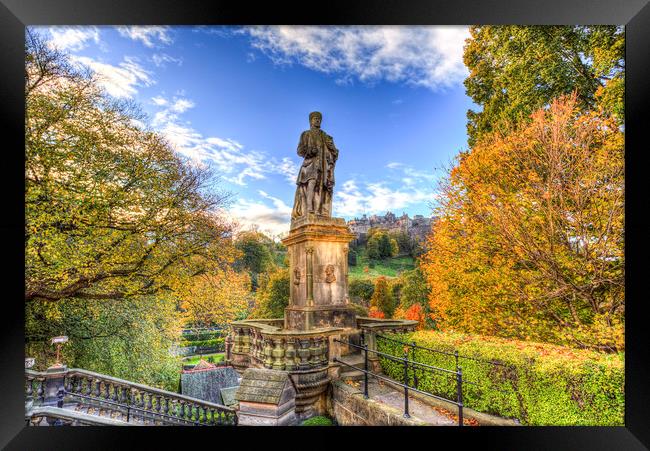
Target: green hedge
<point>538,384</point>
<point>194,336</point>
<point>216,342</point>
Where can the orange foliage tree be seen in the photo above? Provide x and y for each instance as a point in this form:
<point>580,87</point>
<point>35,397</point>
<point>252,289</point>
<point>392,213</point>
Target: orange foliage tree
<point>530,239</point>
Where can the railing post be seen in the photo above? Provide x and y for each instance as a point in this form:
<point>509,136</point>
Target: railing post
<point>415,374</point>
<point>365,374</point>
<point>456,357</point>
<point>459,394</point>
<point>406,383</point>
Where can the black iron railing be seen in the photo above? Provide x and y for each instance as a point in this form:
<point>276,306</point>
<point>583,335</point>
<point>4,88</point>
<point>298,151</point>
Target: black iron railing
<point>132,399</point>
<point>413,347</point>
<point>406,363</point>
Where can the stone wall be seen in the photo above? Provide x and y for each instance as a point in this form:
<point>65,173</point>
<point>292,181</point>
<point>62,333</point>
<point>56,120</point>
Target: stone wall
<point>349,407</point>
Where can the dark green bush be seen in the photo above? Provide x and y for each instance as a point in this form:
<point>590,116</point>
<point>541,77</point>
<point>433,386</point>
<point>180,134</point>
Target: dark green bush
<point>538,384</point>
<point>202,336</point>
<point>317,421</point>
<point>214,342</point>
<point>361,290</point>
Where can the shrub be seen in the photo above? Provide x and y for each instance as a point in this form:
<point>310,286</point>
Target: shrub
<point>539,384</point>
<point>214,342</point>
<point>318,421</point>
<point>361,290</point>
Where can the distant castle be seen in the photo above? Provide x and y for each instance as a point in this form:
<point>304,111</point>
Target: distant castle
<point>417,228</point>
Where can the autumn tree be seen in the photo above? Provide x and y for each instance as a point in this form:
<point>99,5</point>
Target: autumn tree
<point>531,232</point>
<point>216,298</point>
<point>111,211</point>
<point>116,226</point>
<point>382,298</point>
<point>514,70</point>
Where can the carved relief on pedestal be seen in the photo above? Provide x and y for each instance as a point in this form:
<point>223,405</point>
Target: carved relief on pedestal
<point>296,276</point>
<point>329,274</point>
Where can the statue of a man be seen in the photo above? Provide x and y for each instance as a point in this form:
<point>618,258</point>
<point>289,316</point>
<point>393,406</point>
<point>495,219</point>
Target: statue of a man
<point>316,177</point>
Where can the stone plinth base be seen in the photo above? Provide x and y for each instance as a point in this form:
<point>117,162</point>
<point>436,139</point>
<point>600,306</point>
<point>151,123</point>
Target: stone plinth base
<point>307,318</point>
<point>311,392</point>
<point>266,398</point>
<point>260,414</point>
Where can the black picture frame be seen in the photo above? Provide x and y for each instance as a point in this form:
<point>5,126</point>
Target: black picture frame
<point>16,14</point>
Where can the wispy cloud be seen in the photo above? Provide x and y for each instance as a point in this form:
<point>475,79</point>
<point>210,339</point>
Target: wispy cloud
<point>150,36</point>
<point>162,59</point>
<point>234,162</point>
<point>428,56</point>
<point>401,187</point>
<point>73,38</point>
<point>121,80</point>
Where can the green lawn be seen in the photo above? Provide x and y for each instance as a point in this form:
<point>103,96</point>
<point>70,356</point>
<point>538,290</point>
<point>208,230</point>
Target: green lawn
<point>391,267</point>
<point>193,360</point>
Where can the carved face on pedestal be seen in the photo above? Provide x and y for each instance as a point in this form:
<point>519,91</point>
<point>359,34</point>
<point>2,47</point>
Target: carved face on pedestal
<point>329,274</point>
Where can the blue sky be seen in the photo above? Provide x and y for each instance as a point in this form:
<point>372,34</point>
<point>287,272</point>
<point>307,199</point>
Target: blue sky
<point>237,99</point>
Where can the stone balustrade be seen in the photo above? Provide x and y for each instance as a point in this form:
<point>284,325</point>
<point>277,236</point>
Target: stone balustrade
<point>265,344</point>
<point>136,400</point>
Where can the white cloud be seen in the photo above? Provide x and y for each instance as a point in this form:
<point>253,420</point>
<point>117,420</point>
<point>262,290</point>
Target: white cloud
<point>229,157</point>
<point>182,105</point>
<point>377,197</point>
<point>150,36</point>
<point>121,80</point>
<point>273,220</point>
<point>161,59</point>
<point>428,56</point>
<point>159,100</point>
<point>73,38</point>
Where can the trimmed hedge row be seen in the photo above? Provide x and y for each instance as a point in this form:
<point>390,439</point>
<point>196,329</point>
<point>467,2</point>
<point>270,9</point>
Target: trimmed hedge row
<point>538,384</point>
<point>214,342</point>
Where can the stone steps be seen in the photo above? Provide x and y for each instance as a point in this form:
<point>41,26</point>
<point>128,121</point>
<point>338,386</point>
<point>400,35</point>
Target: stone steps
<point>348,373</point>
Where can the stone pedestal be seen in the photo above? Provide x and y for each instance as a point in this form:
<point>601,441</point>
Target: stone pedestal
<point>318,262</point>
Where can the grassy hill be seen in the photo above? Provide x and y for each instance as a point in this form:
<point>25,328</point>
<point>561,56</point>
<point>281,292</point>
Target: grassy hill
<point>391,267</point>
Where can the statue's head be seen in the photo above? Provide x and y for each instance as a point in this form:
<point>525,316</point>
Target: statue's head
<point>315,119</point>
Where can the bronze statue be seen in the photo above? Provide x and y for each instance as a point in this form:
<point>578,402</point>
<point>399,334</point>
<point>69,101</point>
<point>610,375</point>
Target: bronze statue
<point>316,177</point>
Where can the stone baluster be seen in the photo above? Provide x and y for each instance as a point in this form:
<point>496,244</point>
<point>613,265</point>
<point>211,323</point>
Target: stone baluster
<point>40,387</point>
<point>315,351</point>
<point>290,355</point>
<point>324,357</point>
<point>245,340</point>
<point>268,353</point>
<point>29,388</point>
<point>304,353</point>
<point>236,343</point>
<point>278,354</point>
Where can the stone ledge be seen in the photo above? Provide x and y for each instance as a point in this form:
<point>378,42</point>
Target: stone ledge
<point>354,410</point>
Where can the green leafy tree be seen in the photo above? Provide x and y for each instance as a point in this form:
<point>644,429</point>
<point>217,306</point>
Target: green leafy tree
<point>272,297</point>
<point>514,70</point>
<point>256,256</point>
<point>382,297</point>
<point>360,291</point>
